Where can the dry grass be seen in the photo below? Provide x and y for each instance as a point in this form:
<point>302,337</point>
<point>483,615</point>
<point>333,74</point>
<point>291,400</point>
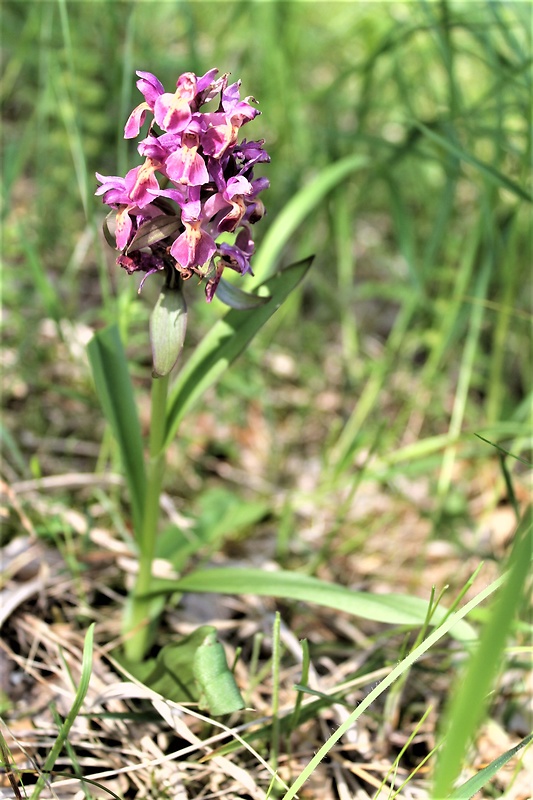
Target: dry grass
<point>135,744</point>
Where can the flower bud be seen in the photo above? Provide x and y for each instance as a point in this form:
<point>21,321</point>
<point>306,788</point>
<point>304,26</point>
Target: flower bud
<point>168,324</point>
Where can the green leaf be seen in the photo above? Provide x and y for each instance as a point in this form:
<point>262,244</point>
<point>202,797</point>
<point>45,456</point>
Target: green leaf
<point>478,781</point>
<point>115,392</point>
<point>394,609</point>
<point>219,693</point>
<point>469,698</point>
<point>234,297</point>
<point>298,209</point>
<point>225,341</point>
<point>192,670</point>
<point>168,324</point>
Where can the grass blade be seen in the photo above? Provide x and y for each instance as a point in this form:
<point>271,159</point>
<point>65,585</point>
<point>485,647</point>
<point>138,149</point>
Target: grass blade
<point>477,782</point>
<point>470,697</point>
<point>396,673</point>
<point>62,736</point>
<point>491,174</point>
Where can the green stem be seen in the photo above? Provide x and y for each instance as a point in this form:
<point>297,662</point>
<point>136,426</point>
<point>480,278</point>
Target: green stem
<point>137,614</point>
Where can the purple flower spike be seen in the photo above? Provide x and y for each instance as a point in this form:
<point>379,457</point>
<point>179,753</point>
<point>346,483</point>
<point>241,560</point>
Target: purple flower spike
<point>207,186</point>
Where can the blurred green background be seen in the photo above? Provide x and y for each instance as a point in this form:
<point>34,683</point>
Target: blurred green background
<point>413,330</point>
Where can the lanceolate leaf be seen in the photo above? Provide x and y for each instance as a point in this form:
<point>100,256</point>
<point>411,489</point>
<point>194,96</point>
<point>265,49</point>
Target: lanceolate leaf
<point>478,781</point>
<point>394,609</point>
<point>234,297</point>
<point>298,209</point>
<point>225,341</point>
<point>115,392</point>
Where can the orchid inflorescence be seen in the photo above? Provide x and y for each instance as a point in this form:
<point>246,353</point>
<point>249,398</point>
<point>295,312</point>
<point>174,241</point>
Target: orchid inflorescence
<point>208,189</point>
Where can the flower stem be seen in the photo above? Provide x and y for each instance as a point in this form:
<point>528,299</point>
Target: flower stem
<point>137,613</point>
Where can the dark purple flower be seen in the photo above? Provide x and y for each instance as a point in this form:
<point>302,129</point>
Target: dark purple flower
<point>251,153</point>
<point>237,256</point>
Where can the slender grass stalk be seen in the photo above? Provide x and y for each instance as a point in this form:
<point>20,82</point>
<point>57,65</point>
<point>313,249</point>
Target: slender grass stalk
<point>465,377</point>
<point>9,768</point>
<point>139,611</point>
<point>276,666</point>
<point>343,448</point>
<point>306,660</point>
<point>392,771</point>
<point>71,752</point>
<point>71,716</point>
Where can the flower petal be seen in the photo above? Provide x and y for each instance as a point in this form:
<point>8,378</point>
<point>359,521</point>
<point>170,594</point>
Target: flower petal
<point>186,166</point>
<point>135,121</point>
<point>194,247</point>
<point>172,113</point>
<point>150,87</point>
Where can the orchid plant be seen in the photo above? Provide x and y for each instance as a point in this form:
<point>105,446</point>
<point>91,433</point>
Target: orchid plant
<point>187,210</point>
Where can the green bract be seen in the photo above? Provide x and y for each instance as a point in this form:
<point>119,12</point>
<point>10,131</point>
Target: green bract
<point>168,324</point>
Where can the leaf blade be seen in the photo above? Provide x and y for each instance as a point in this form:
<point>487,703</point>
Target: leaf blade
<point>225,342</point>
<point>468,702</point>
<point>392,609</point>
<point>298,208</point>
<point>491,174</point>
<point>115,392</point>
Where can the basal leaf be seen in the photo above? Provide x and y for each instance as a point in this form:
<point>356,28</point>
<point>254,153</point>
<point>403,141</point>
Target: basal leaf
<point>115,392</point>
<point>394,609</point>
<point>193,669</point>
